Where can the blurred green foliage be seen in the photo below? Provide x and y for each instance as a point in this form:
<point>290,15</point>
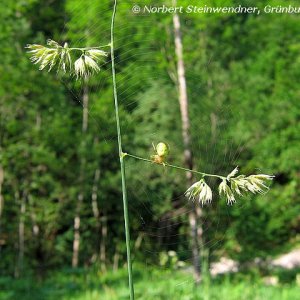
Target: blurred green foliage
<point>243,84</point>
<point>153,284</point>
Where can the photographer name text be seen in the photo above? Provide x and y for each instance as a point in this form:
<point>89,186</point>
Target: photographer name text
<point>192,9</point>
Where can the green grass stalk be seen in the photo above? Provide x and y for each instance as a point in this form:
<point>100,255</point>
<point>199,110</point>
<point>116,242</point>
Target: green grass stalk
<point>122,163</point>
<point>165,164</point>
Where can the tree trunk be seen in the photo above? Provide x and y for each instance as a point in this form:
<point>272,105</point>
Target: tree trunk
<point>196,231</point>
<point>103,243</point>
<point>116,260</point>
<point>214,124</point>
<point>96,211</point>
<point>76,241</point>
<point>21,246</point>
<point>95,207</point>
<point>35,226</point>
<point>80,198</point>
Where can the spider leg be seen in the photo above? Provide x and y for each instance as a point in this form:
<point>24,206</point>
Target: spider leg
<point>153,159</point>
<point>153,146</point>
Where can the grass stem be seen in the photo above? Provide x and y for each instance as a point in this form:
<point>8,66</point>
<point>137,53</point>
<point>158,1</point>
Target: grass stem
<point>122,163</point>
<point>165,164</point>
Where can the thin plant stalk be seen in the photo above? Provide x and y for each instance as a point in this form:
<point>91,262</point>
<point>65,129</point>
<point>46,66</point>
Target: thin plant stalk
<point>165,164</point>
<point>122,163</point>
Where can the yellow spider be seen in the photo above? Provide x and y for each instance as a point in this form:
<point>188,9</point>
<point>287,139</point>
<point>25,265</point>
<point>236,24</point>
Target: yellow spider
<point>162,150</point>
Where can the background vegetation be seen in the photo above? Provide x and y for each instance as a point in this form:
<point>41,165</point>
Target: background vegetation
<point>243,85</point>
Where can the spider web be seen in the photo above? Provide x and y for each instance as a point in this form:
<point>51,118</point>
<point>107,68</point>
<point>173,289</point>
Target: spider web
<point>170,229</point>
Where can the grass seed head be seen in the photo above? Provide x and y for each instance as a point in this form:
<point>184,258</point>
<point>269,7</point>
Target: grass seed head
<point>201,191</point>
<point>60,57</point>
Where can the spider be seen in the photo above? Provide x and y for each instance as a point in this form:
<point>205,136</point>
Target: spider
<point>162,151</point>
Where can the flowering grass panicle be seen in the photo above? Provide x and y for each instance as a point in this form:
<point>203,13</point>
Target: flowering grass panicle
<point>253,183</point>
<point>224,190</point>
<point>230,187</point>
<point>96,54</point>
<point>243,184</point>
<point>85,66</point>
<point>193,191</point>
<point>232,173</point>
<point>201,191</point>
<point>50,56</point>
<point>62,57</point>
